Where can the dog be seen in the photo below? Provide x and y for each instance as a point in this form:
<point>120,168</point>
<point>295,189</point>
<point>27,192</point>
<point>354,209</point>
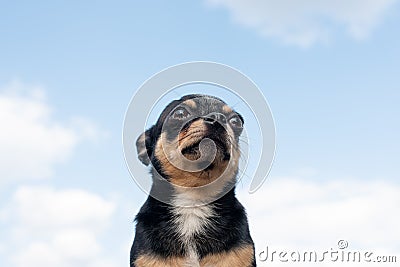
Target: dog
<point>191,216</point>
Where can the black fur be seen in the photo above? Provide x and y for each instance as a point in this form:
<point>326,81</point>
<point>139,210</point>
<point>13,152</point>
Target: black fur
<point>156,232</point>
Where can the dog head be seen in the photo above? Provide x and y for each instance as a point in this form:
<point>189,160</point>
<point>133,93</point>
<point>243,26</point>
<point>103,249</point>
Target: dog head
<point>194,142</point>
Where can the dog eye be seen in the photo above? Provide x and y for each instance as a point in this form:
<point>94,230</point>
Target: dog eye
<point>236,122</point>
<point>180,113</point>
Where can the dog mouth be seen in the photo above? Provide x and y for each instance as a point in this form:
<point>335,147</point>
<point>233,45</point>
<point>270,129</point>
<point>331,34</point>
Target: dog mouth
<point>192,149</point>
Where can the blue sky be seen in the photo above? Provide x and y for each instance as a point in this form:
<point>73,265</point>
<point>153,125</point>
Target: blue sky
<point>334,97</point>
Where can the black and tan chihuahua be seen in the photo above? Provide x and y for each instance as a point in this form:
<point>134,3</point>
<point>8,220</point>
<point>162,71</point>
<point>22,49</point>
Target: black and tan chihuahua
<point>200,222</point>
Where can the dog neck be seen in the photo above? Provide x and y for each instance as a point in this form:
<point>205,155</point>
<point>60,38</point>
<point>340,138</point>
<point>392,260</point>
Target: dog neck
<point>166,192</point>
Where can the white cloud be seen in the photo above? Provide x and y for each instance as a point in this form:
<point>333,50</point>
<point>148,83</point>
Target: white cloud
<point>309,21</point>
<point>31,140</point>
<point>298,214</point>
<point>57,228</point>
<point>59,208</point>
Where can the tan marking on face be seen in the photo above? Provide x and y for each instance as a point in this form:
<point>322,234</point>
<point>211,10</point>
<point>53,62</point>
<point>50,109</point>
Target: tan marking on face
<point>191,103</point>
<point>182,177</point>
<point>227,109</point>
<point>177,176</point>
<point>223,170</point>
<point>193,134</point>
<point>155,261</point>
<point>239,257</point>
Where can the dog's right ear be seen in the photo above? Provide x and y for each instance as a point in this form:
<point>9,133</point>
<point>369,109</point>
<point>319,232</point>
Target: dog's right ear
<point>144,147</point>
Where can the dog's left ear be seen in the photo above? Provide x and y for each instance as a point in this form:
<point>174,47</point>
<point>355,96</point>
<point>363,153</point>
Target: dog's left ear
<point>144,147</point>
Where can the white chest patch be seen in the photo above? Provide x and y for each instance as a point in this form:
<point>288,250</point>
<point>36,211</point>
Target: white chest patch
<point>191,220</point>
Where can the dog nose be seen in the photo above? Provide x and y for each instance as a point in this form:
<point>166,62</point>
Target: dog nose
<point>213,117</point>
